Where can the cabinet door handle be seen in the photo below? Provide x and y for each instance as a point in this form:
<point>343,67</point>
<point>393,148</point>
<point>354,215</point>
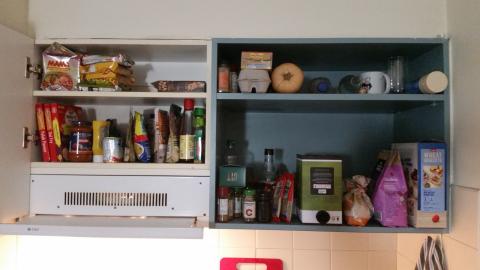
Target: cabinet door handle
<point>28,137</point>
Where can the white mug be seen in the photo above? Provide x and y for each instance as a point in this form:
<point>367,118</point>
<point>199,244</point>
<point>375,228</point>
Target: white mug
<point>374,82</point>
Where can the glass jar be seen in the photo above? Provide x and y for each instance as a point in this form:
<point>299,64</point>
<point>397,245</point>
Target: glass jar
<point>223,77</point>
<point>249,205</point>
<point>264,206</point>
<point>238,201</point>
<point>80,144</point>
<point>222,204</point>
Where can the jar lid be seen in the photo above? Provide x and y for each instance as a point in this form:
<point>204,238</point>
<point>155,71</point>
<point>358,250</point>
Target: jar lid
<point>199,111</point>
<point>249,192</point>
<point>223,191</point>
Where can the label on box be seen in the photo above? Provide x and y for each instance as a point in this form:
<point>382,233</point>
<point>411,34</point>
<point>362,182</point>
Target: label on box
<point>432,175</point>
<point>321,181</point>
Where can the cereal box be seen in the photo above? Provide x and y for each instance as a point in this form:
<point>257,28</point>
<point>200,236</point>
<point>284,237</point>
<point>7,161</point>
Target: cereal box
<point>425,166</point>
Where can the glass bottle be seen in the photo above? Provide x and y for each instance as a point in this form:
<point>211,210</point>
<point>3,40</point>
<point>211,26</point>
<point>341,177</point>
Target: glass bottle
<point>269,168</point>
<point>249,205</point>
<point>222,204</point>
<point>396,74</point>
<point>349,84</point>
<point>223,77</point>
<point>186,133</point>
<point>238,201</point>
<point>231,157</point>
<point>231,205</point>
<point>199,139</point>
<point>264,206</point>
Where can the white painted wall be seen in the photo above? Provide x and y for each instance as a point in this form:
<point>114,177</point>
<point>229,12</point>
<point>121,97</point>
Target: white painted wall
<point>464,28</point>
<point>226,18</point>
<point>14,15</point>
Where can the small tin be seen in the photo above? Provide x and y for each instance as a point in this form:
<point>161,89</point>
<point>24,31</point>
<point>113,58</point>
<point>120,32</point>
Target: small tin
<point>112,150</point>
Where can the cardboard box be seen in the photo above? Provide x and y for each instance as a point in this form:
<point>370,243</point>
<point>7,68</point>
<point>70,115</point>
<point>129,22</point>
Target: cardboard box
<point>320,189</point>
<point>257,60</point>
<point>232,176</point>
<point>425,166</point>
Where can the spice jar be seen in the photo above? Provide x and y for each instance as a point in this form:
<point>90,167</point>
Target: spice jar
<point>230,205</point>
<point>249,205</point>
<point>238,201</point>
<point>80,144</point>
<point>223,77</point>
<point>222,204</point>
<point>264,206</point>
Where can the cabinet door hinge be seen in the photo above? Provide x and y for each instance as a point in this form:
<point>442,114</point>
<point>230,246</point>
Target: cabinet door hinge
<point>28,137</point>
<point>30,68</point>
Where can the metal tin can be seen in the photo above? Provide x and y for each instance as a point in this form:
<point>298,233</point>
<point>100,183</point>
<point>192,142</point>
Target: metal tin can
<point>112,150</point>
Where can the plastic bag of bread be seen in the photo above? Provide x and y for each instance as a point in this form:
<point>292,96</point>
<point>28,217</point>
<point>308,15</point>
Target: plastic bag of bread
<point>357,207</point>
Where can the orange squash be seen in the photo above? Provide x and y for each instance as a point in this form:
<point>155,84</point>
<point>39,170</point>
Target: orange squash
<point>287,78</point>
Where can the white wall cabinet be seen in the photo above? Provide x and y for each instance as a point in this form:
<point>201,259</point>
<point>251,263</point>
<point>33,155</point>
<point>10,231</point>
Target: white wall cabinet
<point>96,199</point>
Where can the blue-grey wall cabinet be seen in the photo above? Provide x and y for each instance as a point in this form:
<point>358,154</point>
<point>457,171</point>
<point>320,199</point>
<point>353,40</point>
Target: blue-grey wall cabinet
<point>354,126</point>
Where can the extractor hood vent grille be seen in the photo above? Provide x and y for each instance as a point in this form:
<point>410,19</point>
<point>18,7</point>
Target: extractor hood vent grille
<point>115,199</point>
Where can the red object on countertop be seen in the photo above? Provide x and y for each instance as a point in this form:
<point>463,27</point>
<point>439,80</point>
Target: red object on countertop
<point>231,263</point>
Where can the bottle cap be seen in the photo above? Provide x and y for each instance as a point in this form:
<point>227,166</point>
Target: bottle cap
<point>188,104</point>
<point>269,152</point>
<point>249,192</point>
<point>199,111</point>
<point>223,191</point>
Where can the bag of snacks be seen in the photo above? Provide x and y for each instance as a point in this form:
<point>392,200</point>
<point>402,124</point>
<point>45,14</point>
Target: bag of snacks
<point>357,207</point>
<point>390,195</point>
<point>287,198</point>
<point>140,138</point>
<point>173,148</point>
<point>100,72</point>
<point>61,68</point>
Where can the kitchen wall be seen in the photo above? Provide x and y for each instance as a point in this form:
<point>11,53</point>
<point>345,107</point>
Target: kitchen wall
<point>220,18</point>
<point>298,250</point>
<point>462,245</point>
<point>14,13</point>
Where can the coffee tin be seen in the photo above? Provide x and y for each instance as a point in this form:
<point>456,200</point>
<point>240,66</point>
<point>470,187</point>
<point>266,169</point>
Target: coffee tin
<point>112,150</point>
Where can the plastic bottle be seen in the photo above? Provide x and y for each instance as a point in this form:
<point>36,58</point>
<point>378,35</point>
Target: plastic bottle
<point>199,135</point>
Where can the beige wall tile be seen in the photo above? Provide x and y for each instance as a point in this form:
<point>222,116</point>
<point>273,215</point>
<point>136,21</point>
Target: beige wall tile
<point>283,254</point>
<point>311,240</point>
<point>311,260</point>
<point>349,241</point>
<point>274,239</point>
<point>409,244</point>
<point>459,255</point>
<point>404,264</point>
<point>348,260</point>
<point>382,241</point>
<point>465,215</point>
<point>382,260</point>
<point>8,252</point>
<point>238,253</point>
<point>236,238</point>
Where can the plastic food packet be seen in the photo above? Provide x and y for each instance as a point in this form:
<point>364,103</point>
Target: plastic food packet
<point>278,190</point>
<point>140,138</point>
<point>128,151</point>
<point>106,67</point>
<point>287,197</point>
<point>161,131</point>
<point>390,195</point>
<point>61,68</point>
<point>121,59</point>
<point>381,160</point>
<point>357,207</point>
<point>173,148</point>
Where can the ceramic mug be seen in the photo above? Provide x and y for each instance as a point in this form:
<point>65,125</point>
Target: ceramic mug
<point>374,82</point>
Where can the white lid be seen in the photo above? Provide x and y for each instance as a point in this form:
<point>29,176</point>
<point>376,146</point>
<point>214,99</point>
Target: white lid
<point>436,82</point>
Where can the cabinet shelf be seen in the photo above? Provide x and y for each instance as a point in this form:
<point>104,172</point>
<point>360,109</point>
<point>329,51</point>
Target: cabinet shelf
<point>73,168</point>
<point>305,103</point>
<point>120,98</point>
<point>297,226</point>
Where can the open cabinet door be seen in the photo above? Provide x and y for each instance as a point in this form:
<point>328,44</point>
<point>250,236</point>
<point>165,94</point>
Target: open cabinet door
<point>16,110</point>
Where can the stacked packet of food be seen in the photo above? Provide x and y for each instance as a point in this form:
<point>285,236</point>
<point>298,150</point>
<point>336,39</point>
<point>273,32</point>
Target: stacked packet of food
<point>106,73</point>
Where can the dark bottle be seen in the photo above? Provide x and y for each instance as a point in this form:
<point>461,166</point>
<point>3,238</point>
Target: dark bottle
<point>199,125</point>
<point>231,156</point>
<point>264,206</point>
<point>349,84</point>
<point>186,133</point>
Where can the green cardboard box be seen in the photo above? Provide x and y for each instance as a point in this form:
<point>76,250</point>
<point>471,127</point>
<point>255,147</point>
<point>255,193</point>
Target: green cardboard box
<point>320,189</point>
<point>233,176</point>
